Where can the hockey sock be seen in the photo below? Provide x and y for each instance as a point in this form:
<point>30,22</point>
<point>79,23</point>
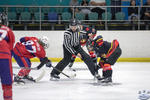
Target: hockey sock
<point>107,70</point>
<point>107,73</point>
<point>24,72</point>
<point>7,92</point>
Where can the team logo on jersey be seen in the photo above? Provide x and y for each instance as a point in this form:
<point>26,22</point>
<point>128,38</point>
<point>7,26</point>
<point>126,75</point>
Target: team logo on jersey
<point>144,95</point>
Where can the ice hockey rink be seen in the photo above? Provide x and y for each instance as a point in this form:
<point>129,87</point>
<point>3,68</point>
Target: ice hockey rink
<point>129,79</point>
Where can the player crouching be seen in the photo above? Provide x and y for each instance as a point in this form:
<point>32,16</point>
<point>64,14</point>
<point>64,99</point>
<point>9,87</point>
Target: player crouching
<point>108,52</point>
<point>27,48</point>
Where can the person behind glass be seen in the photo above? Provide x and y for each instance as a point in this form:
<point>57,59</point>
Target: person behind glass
<point>85,10</point>
<point>7,40</point>
<point>133,11</point>
<point>99,9</point>
<point>71,45</point>
<point>73,3</point>
<point>145,12</point>
<point>115,9</point>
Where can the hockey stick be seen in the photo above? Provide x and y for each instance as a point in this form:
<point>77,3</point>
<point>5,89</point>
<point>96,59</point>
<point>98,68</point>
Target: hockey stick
<point>41,75</point>
<point>16,67</point>
<point>72,76</point>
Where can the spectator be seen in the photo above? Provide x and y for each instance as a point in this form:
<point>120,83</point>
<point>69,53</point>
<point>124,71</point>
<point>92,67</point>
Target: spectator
<point>99,9</point>
<point>145,12</point>
<point>115,9</point>
<point>133,11</point>
<point>74,3</point>
<point>85,10</point>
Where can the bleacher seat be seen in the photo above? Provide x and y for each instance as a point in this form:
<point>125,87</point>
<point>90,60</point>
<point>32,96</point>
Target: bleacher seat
<point>52,17</point>
<point>12,9</point>
<point>80,16</point>
<point>59,10</point>
<point>25,16</point>
<point>33,10</point>
<point>93,16</point>
<point>106,16</point>
<point>12,16</point>
<point>2,9</point>
<point>19,9</point>
<point>37,16</point>
<point>120,16</point>
<point>66,16</point>
<point>45,10</point>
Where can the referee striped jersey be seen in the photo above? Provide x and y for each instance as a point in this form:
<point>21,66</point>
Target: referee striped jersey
<point>71,40</point>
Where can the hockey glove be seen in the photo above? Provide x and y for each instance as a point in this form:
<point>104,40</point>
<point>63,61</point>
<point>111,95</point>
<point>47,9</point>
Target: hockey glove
<point>49,64</point>
<point>44,61</point>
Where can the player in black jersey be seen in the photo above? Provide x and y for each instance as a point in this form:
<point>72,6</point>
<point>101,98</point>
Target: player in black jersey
<point>108,52</point>
<point>71,45</point>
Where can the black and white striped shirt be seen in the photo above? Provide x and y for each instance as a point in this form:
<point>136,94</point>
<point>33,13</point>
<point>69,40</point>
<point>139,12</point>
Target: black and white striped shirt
<point>71,40</point>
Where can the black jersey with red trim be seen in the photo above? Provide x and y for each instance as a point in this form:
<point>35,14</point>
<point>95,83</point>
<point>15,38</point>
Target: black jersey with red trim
<point>103,49</point>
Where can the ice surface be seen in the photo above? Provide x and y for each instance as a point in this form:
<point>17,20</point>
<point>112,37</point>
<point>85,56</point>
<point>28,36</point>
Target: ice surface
<point>130,77</point>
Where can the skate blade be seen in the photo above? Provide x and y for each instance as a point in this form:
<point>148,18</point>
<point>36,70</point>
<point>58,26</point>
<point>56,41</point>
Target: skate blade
<point>54,79</point>
<point>18,83</point>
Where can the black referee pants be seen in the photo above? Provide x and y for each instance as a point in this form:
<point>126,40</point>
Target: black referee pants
<point>67,58</point>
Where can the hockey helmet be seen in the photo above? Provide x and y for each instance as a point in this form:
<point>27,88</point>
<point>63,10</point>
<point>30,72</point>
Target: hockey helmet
<point>73,22</point>
<point>98,41</point>
<point>44,41</point>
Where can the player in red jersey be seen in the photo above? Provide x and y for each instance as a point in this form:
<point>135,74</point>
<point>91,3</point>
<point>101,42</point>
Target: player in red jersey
<point>27,48</point>
<point>7,40</point>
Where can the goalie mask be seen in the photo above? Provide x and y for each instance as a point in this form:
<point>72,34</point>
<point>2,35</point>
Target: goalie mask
<point>44,42</point>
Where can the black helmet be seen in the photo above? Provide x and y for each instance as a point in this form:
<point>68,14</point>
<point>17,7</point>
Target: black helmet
<point>73,22</point>
<point>3,19</point>
<point>98,41</point>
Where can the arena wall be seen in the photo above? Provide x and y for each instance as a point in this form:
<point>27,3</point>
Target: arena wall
<point>135,44</point>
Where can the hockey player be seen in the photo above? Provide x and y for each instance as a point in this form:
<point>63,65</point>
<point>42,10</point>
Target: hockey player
<point>86,36</point>
<point>109,52</point>
<point>7,40</point>
<point>27,48</point>
<point>71,45</point>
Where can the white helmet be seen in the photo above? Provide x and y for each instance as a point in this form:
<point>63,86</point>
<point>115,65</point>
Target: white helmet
<point>44,41</point>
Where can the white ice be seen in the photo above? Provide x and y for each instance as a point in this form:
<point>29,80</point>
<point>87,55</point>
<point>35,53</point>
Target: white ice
<point>130,77</point>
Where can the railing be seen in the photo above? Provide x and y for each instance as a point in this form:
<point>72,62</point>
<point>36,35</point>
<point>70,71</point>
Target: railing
<point>105,23</point>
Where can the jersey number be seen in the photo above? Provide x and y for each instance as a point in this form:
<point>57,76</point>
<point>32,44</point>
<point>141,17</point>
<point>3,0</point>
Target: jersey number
<point>30,44</point>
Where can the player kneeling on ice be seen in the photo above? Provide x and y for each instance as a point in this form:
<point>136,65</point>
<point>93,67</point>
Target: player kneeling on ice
<point>27,48</point>
<point>108,52</point>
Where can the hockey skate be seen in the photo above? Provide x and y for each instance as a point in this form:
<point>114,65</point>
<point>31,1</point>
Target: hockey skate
<point>29,78</point>
<point>18,80</point>
<point>70,67</point>
<point>97,76</point>
<point>105,81</point>
<point>54,77</point>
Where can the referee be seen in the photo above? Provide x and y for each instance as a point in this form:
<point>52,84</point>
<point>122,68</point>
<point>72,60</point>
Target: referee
<point>71,45</point>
